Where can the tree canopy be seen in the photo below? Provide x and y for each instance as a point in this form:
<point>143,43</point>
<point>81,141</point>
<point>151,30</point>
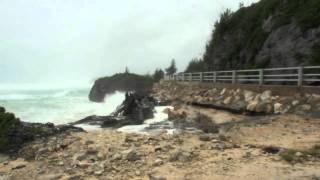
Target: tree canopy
<point>172,68</point>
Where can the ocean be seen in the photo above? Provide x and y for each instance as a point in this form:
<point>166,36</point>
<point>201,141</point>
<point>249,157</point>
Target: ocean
<point>63,106</point>
<point>58,106</point>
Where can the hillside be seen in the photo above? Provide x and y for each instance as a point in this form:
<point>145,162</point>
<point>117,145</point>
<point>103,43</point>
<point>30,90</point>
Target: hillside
<point>270,33</point>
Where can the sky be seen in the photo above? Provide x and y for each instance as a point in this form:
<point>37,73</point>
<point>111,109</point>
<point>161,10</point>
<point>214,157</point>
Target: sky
<point>73,42</point>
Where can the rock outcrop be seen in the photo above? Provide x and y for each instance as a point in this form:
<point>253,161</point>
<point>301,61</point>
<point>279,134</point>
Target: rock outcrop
<point>133,111</point>
<point>14,133</point>
<point>125,82</point>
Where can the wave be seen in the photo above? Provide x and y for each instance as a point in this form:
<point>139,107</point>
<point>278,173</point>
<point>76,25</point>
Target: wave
<point>25,95</point>
<point>15,96</point>
<point>58,107</point>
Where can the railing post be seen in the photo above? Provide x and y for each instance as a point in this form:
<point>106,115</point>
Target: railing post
<point>201,77</point>
<point>214,77</point>
<point>190,76</point>
<point>300,76</point>
<point>183,77</point>
<point>261,76</point>
<point>234,77</point>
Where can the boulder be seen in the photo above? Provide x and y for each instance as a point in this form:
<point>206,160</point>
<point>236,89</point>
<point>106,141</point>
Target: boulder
<point>252,105</point>
<point>228,100</point>
<point>248,95</point>
<point>266,95</point>
<point>278,108</point>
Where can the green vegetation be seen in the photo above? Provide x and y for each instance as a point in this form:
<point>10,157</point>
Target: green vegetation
<point>295,156</point>
<point>158,75</point>
<point>8,124</point>
<point>247,29</point>
<point>195,65</point>
<point>172,68</point>
<point>316,54</point>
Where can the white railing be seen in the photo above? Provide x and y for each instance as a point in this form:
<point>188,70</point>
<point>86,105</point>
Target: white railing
<point>299,76</point>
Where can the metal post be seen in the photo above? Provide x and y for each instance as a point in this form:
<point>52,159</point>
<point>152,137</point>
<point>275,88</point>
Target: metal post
<point>190,76</point>
<point>201,77</point>
<point>183,77</point>
<point>300,76</point>
<point>260,76</point>
<point>214,77</point>
<point>234,77</point>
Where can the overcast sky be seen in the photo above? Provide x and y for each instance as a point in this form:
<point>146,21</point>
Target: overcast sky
<point>76,41</point>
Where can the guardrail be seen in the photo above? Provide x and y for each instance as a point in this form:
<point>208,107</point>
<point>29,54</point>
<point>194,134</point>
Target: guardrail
<point>300,76</point>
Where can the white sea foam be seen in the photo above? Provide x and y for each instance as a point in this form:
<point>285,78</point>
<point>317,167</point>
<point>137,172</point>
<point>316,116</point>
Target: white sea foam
<point>159,116</point>
<point>56,106</point>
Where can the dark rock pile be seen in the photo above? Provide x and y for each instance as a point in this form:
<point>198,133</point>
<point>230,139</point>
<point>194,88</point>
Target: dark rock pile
<point>133,111</point>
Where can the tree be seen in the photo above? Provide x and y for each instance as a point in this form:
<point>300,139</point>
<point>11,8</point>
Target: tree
<point>196,65</point>
<point>241,5</point>
<point>158,75</point>
<point>172,68</point>
<point>127,70</point>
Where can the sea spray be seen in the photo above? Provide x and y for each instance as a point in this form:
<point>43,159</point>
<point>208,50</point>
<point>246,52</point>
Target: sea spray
<point>56,106</point>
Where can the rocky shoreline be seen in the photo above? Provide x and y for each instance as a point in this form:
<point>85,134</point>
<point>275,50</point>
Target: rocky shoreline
<point>210,144</point>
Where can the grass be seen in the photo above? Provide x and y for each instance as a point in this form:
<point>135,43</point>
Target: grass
<point>291,155</point>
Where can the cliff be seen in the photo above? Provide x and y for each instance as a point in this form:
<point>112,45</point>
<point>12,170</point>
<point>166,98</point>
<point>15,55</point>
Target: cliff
<point>119,82</point>
<point>270,33</point>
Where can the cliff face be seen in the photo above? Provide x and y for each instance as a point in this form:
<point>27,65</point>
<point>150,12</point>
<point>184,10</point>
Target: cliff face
<point>270,33</point>
<point>119,82</point>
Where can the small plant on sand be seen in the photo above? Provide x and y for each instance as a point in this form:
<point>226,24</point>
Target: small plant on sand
<point>296,156</point>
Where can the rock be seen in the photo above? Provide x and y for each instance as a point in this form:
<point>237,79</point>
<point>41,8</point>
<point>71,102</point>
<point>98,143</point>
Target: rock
<point>252,105</point>
<point>133,111</point>
<point>266,95</point>
<point>80,156</point>
<point>131,155</point>
<point>248,95</point>
<point>158,162</point>
<point>154,177</point>
<point>98,173</point>
<point>305,107</point>
<point>264,107</point>
<point>3,158</point>
<point>205,137</point>
<point>176,115</point>
<point>223,91</point>
<point>298,154</point>
<point>55,176</point>
<point>88,142</point>
<point>271,150</point>
<point>205,123</point>
<point>295,103</point>
<point>228,100</point>
<point>14,133</point>
<point>116,157</point>
<point>20,166</point>
<point>138,173</point>
<point>125,82</point>
<point>180,155</point>
<point>278,108</point>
